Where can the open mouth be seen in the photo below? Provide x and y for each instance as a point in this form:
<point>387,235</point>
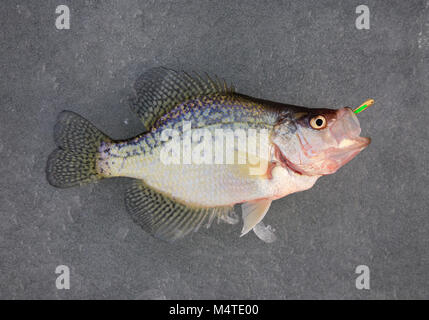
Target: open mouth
<point>357,143</point>
<point>347,150</point>
<point>346,131</point>
<point>331,159</point>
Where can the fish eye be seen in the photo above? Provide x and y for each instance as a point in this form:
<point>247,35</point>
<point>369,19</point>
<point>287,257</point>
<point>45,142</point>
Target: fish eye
<point>318,122</point>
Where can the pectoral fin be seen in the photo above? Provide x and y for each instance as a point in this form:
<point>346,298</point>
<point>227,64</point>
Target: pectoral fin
<point>253,213</point>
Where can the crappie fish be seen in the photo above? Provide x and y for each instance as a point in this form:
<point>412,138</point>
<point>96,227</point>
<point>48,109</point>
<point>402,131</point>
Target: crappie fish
<point>172,196</point>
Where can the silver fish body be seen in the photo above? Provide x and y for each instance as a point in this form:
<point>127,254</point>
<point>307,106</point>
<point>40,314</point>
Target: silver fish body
<point>207,149</point>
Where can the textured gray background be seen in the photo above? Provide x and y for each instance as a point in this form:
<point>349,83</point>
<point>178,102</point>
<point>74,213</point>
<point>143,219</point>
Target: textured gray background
<point>374,211</point>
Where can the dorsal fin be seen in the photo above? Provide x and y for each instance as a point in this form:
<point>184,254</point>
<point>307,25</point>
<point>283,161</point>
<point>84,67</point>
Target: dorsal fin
<point>159,90</point>
<point>167,219</point>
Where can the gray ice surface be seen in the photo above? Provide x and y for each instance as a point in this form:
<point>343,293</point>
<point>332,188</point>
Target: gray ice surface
<point>373,212</point>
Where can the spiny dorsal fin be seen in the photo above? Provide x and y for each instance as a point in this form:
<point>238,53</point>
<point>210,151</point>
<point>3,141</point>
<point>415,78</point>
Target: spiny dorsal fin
<point>159,90</point>
<point>167,219</point>
<point>253,213</point>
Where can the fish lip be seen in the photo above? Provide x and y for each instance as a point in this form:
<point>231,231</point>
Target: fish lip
<point>353,138</point>
<point>342,156</point>
<point>347,153</point>
<point>359,143</point>
<point>365,141</point>
<point>345,126</point>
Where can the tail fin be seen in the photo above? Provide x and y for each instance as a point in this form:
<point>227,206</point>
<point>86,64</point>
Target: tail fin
<point>74,162</point>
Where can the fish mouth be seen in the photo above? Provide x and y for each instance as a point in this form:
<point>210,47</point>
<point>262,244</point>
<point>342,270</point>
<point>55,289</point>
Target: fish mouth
<point>347,149</point>
<point>333,158</point>
<point>352,144</point>
<point>346,132</point>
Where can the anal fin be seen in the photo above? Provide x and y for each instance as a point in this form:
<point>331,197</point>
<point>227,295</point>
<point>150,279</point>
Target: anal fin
<point>165,218</point>
<point>253,213</point>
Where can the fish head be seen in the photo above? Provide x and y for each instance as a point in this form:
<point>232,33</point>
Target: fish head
<point>317,141</point>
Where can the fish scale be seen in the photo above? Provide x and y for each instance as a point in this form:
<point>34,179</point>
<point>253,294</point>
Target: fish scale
<point>217,185</point>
